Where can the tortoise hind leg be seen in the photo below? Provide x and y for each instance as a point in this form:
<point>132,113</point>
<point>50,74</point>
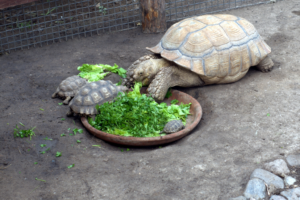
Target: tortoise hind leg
<point>265,65</point>
<point>172,76</point>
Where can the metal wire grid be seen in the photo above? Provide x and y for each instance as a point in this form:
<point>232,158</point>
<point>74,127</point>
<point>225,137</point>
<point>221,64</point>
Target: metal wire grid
<point>50,21</point>
<point>180,9</point>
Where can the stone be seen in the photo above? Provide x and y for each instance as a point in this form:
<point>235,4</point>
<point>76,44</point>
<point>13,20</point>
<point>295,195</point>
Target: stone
<point>277,197</point>
<point>239,198</point>
<point>268,178</point>
<point>278,167</point>
<point>288,180</point>
<point>256,189</point>
<point>293,160</point>
<point>291,194</point>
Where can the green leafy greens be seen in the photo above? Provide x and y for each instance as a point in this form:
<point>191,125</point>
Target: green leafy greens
<point>23,133</point>
<point>97,72</point>
<point>135,114</point>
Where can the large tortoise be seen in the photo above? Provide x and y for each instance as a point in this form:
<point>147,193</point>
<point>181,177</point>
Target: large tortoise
<point>92,94</point>
<point>209,49</point>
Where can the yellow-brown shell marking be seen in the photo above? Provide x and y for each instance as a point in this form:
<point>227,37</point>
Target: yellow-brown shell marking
<point>213,46</point>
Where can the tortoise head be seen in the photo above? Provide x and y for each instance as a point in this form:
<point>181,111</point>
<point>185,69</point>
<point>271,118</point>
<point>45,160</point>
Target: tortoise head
<point>146,70</point>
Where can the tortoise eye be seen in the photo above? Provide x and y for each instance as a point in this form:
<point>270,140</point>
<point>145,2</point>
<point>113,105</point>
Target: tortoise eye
<point>141,73</point>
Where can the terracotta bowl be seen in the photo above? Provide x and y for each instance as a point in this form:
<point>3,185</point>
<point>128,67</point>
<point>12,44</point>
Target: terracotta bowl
<point>192,121</point>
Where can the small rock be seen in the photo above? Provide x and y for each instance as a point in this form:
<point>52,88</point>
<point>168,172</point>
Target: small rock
<point>278,167</point>
<point>239,198</point>
<point>277,197</point>
<point>293,160</point>
<point>292,194</point>
<point>255,188</point>
<point>288,180</point>
<point>268,178</point>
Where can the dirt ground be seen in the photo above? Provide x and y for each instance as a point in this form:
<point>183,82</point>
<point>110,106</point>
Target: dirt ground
<point>244,124</point>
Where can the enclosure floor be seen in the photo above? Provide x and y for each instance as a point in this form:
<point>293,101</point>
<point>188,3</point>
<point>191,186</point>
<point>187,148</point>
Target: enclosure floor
<point>244,124</point>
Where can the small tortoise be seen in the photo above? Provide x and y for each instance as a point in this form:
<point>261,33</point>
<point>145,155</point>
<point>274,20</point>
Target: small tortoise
<point>68,88</point>
<point>198,51</point>
<point>173,127</point>
<point>92,94</point>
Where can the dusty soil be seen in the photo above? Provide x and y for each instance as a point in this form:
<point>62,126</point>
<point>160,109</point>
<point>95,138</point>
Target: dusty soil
<point>244,125</point>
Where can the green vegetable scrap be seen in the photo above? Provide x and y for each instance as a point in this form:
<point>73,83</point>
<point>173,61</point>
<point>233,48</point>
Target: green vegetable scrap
<point>78,141</point>
<point>40,179</point>
<point>43,152</point>
<point>35,163</point>
<point>75,130</point>
<point>43,145</point>
<point>60,103</point>
<point>96,72</point>
<point>135,114</point>
<point>169,93</point>
<point>61,135</point>
<point>62,119</point>
<point>70,166</point>
<point>41,109</point>
<point>23,133</point>
<point>46,138</point>
<point>58,154</point>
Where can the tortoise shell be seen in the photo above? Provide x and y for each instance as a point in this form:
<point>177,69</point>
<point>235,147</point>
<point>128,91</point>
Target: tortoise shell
<point>213,45</point>
<point>92,94</point>
<point>69,86</point>
<point>173,126</point>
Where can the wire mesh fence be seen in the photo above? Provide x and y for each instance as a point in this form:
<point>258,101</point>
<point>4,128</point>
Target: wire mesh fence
<point>47,21</point>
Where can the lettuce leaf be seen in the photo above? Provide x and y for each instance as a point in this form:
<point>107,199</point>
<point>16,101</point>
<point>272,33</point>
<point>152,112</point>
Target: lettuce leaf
<point>97,72</point>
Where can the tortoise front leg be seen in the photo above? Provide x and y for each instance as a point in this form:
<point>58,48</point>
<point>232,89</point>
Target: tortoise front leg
<point>169,77</point>
<point>66,101</point>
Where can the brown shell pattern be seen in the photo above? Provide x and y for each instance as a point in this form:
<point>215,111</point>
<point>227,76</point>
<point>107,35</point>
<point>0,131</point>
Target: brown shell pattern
<point>70,86</point>
<point>213,46</point>
<point>92,94</point>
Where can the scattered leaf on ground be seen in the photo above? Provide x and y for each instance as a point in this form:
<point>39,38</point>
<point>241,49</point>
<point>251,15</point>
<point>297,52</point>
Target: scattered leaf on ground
<point>35,163</point>
<point>43,145</point>
<point>61,135</point>
<point>63,119</point>
<point>40,179</point>
<point>128,149</point>
<point>43,152</point>
<point>268,114</point>
<point>21,124</point>
<point>23,133</point>
<point>97,145</point>
<point>58,154</point>
<point>78,141</point>
<point>46,138</point>
<point>60,103</point>
<point>70,166</point>
<point>41,109</point>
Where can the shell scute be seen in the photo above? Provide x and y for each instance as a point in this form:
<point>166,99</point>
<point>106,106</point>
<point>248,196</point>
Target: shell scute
<point>196,45</point>
<point>233,30</point>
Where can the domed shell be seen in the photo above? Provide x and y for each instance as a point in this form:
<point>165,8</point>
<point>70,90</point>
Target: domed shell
<point>92,94</point>
<point>173,126</point>
<point>213,45</point>
<point>70,86</point>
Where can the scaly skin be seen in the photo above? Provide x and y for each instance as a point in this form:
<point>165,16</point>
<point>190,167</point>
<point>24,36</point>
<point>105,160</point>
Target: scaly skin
<point>172,76</point>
